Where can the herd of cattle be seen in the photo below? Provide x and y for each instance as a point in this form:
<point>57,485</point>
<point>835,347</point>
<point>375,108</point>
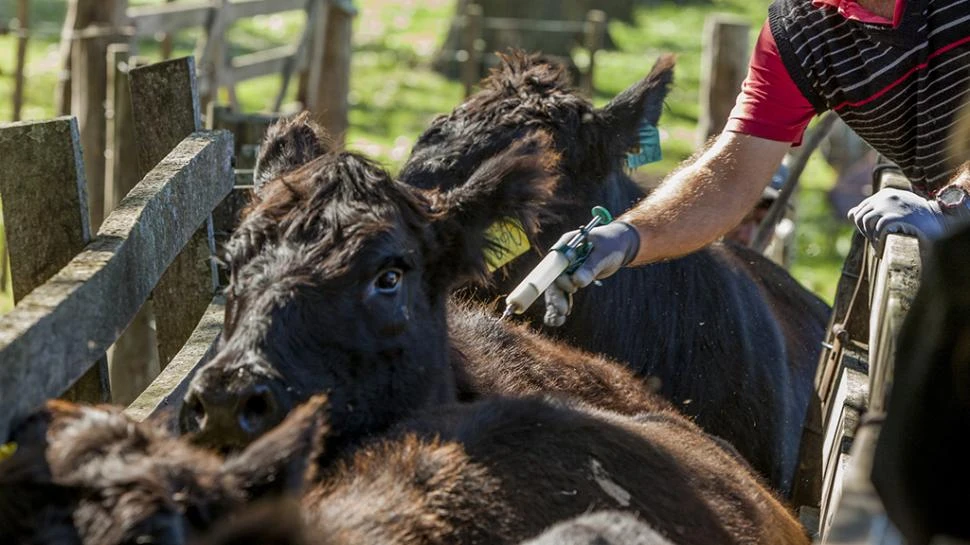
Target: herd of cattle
<point>365,390</point>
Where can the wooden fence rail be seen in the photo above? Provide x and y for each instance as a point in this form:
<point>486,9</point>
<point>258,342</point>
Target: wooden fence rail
<point>49,340</point>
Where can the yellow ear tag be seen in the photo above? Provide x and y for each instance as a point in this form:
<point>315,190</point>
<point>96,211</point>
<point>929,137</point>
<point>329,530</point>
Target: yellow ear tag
<point>510,242</point>
<point>6,451</point>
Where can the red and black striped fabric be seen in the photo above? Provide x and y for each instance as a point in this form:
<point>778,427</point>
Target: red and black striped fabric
<point>898,88</point>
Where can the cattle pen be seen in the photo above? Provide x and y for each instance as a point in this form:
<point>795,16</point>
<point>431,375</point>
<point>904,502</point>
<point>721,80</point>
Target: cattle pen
<point>156,246</point>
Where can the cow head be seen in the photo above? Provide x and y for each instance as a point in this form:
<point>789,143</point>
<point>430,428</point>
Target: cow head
<point>526,93</point>
<point>91,476</point>
<point>339,282</point>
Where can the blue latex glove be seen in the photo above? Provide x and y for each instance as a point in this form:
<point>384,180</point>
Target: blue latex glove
<point>897,211</point>
<point>614,245</point>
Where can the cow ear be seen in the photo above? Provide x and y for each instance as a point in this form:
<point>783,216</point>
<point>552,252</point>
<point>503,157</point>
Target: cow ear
<point>276,463</point>
<point>287,145</point>
<point>515,185</point>
<point>617,123</point>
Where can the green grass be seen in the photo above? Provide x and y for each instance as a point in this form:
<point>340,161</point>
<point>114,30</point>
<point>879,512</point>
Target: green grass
<point>394,93</point>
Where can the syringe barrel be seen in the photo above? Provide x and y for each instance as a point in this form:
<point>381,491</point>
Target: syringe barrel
<point>541,277</point>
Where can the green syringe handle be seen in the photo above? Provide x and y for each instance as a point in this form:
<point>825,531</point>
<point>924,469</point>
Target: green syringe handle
<point>577,256</point>
<point>603,215</point>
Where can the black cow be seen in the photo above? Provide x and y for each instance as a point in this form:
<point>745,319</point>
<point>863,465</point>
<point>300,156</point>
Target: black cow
<point>340,281</point>
<point>732,337</point>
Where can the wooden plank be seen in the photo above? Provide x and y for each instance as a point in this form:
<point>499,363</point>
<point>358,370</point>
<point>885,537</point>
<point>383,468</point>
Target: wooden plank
<point>89,92</point>
<point>165,99</point>
<point>166,18</point>
<point>44,346</point>
<point>122,169</point>
<point>46,216</point>
<point>212,54</point>
<point>896,281</point>
<point>329,86</point>
<point>471,37</point>
<point>533,25</point>
<point>252,8</point>
<point>44,202</point>
<point>298,60</point>
<point>851,398</point>
<point>23,24</point>
<point>166,104</point>
<point>724,65</point>
<point>164,395</point>
<point>260,63</point>
<point>595,36</point>
<point>62,92</point>
<point>137,343</point>
<point>857,515</point>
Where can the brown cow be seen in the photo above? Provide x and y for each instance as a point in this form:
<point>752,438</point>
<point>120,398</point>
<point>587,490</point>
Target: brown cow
<point>497,471</point>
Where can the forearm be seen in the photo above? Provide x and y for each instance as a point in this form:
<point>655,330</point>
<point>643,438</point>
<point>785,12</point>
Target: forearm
<point>704,200</point>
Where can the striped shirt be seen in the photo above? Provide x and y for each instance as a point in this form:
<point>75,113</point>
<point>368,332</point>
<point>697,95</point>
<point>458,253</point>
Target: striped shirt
<point>898,88</point>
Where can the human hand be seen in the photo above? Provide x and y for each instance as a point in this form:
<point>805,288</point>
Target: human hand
<point>614,245</point>
<point>897,211</point>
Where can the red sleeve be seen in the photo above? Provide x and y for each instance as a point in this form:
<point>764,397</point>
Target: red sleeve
<point>770,106</point>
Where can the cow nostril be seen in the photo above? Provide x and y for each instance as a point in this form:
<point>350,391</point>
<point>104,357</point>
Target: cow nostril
<point>256,406</point>
<point>257,410</point>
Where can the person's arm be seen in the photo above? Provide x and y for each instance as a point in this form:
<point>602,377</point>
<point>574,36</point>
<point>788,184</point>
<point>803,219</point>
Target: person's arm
<point>691,209</point>
<point>702,201</point>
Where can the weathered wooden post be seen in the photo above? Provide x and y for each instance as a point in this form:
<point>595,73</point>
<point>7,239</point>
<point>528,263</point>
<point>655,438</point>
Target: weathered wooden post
<point>165,100</point>
<point>23,26</point>
<point>45,213</point>
<point>724,64</point>
<point>62,93</point>
<point>138,342</point>
<point>212,54</point>
<point>595,35</point>
<point>121,168</point>
<point>328,81</point>
<point>99,22</point>
<point>469,57</point>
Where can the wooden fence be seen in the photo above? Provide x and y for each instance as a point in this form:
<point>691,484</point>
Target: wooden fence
<point>76,293</point>
<point>852,382</point>
<point>474,53</point>
<point>321,55</point>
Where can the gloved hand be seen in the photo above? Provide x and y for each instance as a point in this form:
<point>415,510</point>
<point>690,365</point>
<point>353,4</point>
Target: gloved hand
<point>614,245</point>
<point>896,211</point>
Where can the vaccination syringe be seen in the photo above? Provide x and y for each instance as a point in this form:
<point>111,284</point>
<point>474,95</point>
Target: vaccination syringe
<point>560,259</point>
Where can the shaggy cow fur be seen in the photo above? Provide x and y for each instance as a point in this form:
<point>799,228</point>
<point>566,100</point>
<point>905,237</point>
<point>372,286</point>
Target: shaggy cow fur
<point>339,284</point>
<point>497,471</point>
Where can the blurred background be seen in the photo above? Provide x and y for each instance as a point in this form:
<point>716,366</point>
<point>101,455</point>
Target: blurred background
<point>402,74</point>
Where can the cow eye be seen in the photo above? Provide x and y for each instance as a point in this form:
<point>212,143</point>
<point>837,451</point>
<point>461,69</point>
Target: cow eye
<point>388,280</point>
